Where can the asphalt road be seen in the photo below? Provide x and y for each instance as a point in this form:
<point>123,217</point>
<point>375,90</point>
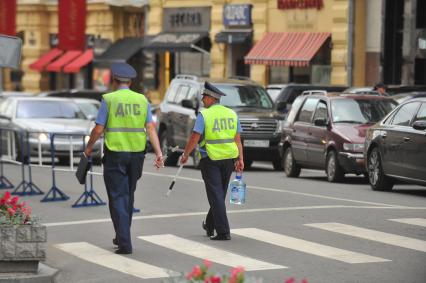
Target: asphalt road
<point>305,228</point>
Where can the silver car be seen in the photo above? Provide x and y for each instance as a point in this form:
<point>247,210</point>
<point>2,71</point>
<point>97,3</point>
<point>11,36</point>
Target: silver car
<point>42,119</point>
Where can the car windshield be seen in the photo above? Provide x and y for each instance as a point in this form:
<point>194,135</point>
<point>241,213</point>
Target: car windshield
<point>244,96</point>
<point>360,111</point>
<point>89,109</point>
<point>48,109</point>
<point>273,93</point>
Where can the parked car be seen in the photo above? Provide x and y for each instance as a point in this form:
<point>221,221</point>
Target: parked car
<point>6,94</point>
<point>89,107</point>
<point>289,92</point>
<point>402,97</point>
<point>327,131</point>
<point>41,117</point>
<point>395,148</point>
<point>260,123</point>
<point>75,93</point>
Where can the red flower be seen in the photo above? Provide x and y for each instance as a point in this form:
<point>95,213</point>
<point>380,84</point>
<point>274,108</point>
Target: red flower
<point>11,211</point>
<point>290,280</point>
<point>215,279</point>
<point>14,201</point>
<point>207,263</point>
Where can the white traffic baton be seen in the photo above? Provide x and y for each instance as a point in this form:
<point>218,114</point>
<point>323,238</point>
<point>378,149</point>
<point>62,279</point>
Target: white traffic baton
<point>174,180</point>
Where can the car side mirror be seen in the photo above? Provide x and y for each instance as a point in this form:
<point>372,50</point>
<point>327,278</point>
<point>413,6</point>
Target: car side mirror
<point>419,125</point>
<point>281,106</point>
<point>320,122</point>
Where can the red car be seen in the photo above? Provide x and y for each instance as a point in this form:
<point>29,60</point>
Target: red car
<point>327,131</point>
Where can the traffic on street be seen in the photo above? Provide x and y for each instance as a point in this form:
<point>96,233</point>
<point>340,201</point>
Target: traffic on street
<point>304,228</point>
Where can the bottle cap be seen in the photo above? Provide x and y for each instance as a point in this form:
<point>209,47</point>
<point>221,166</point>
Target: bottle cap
<point>238,176</point>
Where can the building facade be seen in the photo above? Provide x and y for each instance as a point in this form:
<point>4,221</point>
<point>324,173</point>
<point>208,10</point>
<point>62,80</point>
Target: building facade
<point>37,24</point>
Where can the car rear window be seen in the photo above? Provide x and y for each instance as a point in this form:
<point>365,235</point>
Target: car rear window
<point>48,109</point>
<point>244,96</point>
<point>360,111</point>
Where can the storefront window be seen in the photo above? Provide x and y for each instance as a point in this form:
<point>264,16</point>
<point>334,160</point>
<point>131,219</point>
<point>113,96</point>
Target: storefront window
<point>279,75</point>
<point>192,63</point>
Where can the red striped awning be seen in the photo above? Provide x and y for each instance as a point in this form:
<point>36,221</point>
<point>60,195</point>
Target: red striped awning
<point>67,57</point>
<point>286,48</point>
<point>79,62</point>
<point>45,59</point>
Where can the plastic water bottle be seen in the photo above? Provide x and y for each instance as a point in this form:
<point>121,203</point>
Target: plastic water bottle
<point>238,190</point>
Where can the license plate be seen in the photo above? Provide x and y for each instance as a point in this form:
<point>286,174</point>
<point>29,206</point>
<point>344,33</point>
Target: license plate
<point>256,143</point>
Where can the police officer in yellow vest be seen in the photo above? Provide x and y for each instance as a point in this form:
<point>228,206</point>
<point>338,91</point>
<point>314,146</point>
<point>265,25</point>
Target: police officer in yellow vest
<point>125,119</point>
<point>221,151</point>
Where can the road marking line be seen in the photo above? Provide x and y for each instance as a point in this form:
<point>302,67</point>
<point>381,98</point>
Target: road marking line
<point>306,246</point>
<point>412,221</point>
<point>373,235</point>
<point>276,190</point>
<point>113,261</point>
<point>254,210</point>
<point>213,254</point>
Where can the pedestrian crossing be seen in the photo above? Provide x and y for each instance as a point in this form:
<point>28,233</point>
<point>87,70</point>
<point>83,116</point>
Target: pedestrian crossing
<point>219,253</point>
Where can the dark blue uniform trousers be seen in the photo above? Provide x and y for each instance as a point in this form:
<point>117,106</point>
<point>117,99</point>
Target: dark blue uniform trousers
<point>122,170</point>
<point>216,175</point>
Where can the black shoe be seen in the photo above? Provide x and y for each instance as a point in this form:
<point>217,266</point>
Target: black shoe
<point>115,241</point>
<point>221,237</point>
<point>123,251</point>
<point>209,232</point>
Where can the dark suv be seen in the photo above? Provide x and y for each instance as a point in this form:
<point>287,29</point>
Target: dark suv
<point>261,125</point>
<point>327,131</point>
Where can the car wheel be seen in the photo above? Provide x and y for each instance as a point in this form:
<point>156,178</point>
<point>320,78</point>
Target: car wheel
<point>334,171</point>
<point>278,165</point>
<point>172,157</point>
<point>248,163</point>
<point>291,169</point>
<point>376,176</point>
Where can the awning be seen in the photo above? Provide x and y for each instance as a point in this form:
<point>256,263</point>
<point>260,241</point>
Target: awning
<point>179,42</point>
<point>287,48</point>
<point>120,51</point>
<point>67,57</point>
<point>234,36</point>
<point>45,59</point>
<point>79,62</point>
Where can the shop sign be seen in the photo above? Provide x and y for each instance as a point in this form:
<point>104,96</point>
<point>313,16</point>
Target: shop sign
<point>186,19</point>
<point>300,4</point>
<point>176,38</point>
<point>8,17</point>
<point>237,15</point>
<point>72,24</point>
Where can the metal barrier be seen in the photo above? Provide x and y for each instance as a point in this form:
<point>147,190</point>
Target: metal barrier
<point>15,150</point>
<point>4,182</point>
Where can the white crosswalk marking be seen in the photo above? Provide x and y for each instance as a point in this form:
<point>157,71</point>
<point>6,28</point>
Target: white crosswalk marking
<point>306,246</point>
<point>213,254</point>
<point>120,263</point>
<point>412,221</point>
<point>373,235</point>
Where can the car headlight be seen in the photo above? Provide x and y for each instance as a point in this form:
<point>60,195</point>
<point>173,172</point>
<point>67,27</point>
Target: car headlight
<point>40,136</point>
<point>86,139</point>
<point>356,147</point>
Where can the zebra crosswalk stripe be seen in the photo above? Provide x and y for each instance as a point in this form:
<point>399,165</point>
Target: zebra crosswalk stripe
<point>213,254</point>
<point>113,261</point>
<point>373,235</point>
<point>306,246</point>
<point>412,221</point>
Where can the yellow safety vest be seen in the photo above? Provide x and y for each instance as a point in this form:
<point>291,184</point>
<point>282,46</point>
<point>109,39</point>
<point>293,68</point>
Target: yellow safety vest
<point>125,128</point>
<point>220,129</point>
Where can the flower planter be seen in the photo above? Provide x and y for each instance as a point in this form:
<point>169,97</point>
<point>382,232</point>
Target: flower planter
<point>22,247</point>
